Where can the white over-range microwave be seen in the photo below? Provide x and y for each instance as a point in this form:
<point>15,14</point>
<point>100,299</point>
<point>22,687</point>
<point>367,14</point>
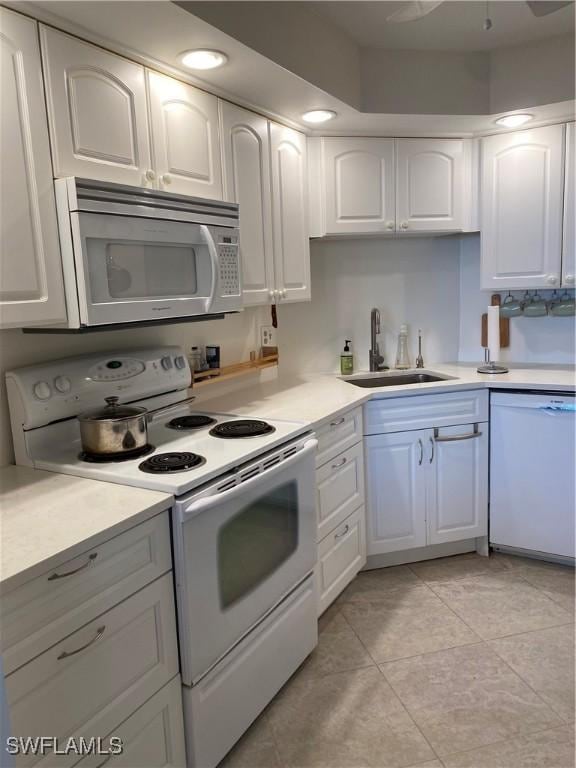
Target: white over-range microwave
<point>134,255</point>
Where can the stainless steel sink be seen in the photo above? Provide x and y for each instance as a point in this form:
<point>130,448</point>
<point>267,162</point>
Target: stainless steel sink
<point>394,379</point>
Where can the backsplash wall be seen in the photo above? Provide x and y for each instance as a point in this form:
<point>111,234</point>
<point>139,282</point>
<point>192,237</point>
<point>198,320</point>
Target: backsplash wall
<point>237,336</point>
<point>532,339</point>
<point>413,280</point>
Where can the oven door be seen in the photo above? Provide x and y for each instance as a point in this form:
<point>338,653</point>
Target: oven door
<point>239,553</point>
<point>131,269</point>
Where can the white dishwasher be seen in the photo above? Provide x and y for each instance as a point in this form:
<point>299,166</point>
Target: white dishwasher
<point>532,472</point>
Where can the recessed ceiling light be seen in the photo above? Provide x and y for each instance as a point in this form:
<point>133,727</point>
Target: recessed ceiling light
<point>514,121</point>
<point>203,58</point>
<point>319,115</point>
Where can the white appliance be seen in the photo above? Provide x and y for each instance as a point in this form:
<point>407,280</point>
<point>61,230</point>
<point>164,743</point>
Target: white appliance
<point>532,473</point>
<point>135,255</point>
<point>243,524</point>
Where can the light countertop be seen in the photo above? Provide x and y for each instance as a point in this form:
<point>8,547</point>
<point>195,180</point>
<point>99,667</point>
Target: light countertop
<point>47,518</point>
<point>318,397</point>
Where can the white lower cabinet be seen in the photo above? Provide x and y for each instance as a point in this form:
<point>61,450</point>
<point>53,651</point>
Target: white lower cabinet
<point>341,555</point>
<point>152,736</point>
<point>340,488</point>
<point>426,486</point>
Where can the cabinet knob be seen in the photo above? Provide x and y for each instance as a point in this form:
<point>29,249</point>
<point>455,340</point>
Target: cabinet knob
<point>552,279</point>
<point>569,279</point>
<point>166,178</point>
<point>283,293</point>
<point>404,225</point>
<point>271,294</point>
<point>150,175</point>
<point>389,225</point>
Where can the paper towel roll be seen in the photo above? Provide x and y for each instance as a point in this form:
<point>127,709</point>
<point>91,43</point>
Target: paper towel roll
<point>494,333</point>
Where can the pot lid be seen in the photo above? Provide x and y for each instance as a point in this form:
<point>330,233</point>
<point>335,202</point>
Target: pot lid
<point>112,411</point>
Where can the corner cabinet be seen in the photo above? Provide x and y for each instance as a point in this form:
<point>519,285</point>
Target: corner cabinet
<point>290,213</point>
<point>97,111</point>
<point>522,193</point>
<point>569,237</point>
<point>392,186</point>
<point>430,192</point>
<point>31,283</point>
<point>246,164</point>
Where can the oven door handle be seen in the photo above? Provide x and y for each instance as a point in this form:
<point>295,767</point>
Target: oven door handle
<point>212,250</point>
<point>207,502</point>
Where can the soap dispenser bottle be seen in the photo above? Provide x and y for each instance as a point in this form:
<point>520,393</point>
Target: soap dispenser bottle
<point>347,359</point>
<point>402,357</point>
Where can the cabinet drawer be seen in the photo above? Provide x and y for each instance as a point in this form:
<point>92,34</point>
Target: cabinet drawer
<point>153,737</point>
<point>423,411</point>
<point>340,488</point>
<point>41,612</point>
<point>337,434</point>
<point>340,556</point>
<point>91,681</point>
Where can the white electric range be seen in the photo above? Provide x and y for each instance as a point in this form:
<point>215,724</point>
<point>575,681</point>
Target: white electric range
<point>243,523</point>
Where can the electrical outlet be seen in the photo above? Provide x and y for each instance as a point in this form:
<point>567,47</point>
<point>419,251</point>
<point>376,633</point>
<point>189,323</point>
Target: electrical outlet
<point>268,336</point>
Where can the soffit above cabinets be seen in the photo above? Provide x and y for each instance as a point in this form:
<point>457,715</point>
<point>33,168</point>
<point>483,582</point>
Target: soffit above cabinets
<point>162,30</point>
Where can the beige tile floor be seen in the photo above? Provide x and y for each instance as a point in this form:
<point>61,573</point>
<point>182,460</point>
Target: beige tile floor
<point>463,662</point>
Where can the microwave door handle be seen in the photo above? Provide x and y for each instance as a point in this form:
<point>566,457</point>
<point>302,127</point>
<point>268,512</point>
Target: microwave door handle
<point>215,265</point>
<point>207,502</point>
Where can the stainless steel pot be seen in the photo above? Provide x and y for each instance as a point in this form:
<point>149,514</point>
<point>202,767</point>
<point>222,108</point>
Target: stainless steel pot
<point>118,429</point>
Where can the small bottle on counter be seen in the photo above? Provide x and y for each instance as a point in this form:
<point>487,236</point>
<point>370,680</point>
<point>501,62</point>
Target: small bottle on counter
<point>196,359</point>
<point>347,359</point>
<point>402,356</point>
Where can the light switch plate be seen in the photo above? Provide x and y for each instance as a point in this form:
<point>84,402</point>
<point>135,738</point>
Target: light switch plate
<point>268,336</point>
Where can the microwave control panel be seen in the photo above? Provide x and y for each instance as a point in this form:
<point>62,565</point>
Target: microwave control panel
<point>228,258</point>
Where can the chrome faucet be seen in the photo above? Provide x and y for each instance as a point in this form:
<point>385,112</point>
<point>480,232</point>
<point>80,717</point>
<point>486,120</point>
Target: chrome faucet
<point>376,360</point>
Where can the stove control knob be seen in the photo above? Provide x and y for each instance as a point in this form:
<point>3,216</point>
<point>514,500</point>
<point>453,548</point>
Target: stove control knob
<point>180,362</point>
<point>62,384</point>
<point>42,390</point>
<point>166,363</point>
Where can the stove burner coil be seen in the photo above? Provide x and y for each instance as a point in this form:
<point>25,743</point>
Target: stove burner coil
<point>192,421</point>
<point>107,458</point>
<point>242,428</point>
<point>165,463</point>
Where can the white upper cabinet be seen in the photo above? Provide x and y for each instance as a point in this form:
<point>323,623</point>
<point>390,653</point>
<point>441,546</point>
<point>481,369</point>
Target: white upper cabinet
<point>569,238</point>
<point>430,185</point>
<point>289,213</point>
<point>31,284</point>
<point>522,191</point>
<point>185,143</point>
<point>359,185</point>
<point>246,161</point>
<point>97,111</point>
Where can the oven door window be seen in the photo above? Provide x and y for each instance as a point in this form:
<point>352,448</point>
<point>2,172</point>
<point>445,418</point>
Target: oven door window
<point>141,271</point>
<point>256,542</point>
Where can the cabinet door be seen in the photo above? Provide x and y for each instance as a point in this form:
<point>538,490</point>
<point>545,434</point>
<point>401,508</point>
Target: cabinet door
<point>569,239</point>
<point>246,156</point>
<point>457,458</point>
<point>185,138</point>
<point>521,237</point>
<point>289,213</point>
<point>31,284</point>
<point>341,555</point>
<point>430,184</point>
<point>359,185</point>
<point>97,111</point>
<point>396,491</point>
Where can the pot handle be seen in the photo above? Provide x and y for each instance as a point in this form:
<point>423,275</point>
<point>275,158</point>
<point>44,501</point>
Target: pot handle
<point>151,415</point>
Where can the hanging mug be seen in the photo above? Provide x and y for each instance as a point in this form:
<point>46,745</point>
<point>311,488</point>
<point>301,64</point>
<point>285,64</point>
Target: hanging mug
<point>535,307</point>
<point>565,306</point>
<point>511,307</point>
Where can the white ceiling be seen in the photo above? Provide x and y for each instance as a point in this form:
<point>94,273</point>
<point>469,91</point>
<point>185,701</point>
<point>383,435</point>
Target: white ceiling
<point>453,26</point>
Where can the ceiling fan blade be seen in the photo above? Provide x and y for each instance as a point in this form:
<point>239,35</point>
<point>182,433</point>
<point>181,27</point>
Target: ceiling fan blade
<point>414,11</point>
<point>540,8</point>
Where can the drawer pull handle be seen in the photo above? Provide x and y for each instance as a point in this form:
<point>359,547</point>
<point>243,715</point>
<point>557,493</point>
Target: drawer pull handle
<point>337,422</point>
<point>432,452</point>
<point>342,533</point>
<point>452,438</point>
<point>99,632</point>
<point>91,559</point>
<point>421,452</point>
<point>340,463</point>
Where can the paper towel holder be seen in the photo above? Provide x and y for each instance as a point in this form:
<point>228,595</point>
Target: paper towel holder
<point>490,366</point>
